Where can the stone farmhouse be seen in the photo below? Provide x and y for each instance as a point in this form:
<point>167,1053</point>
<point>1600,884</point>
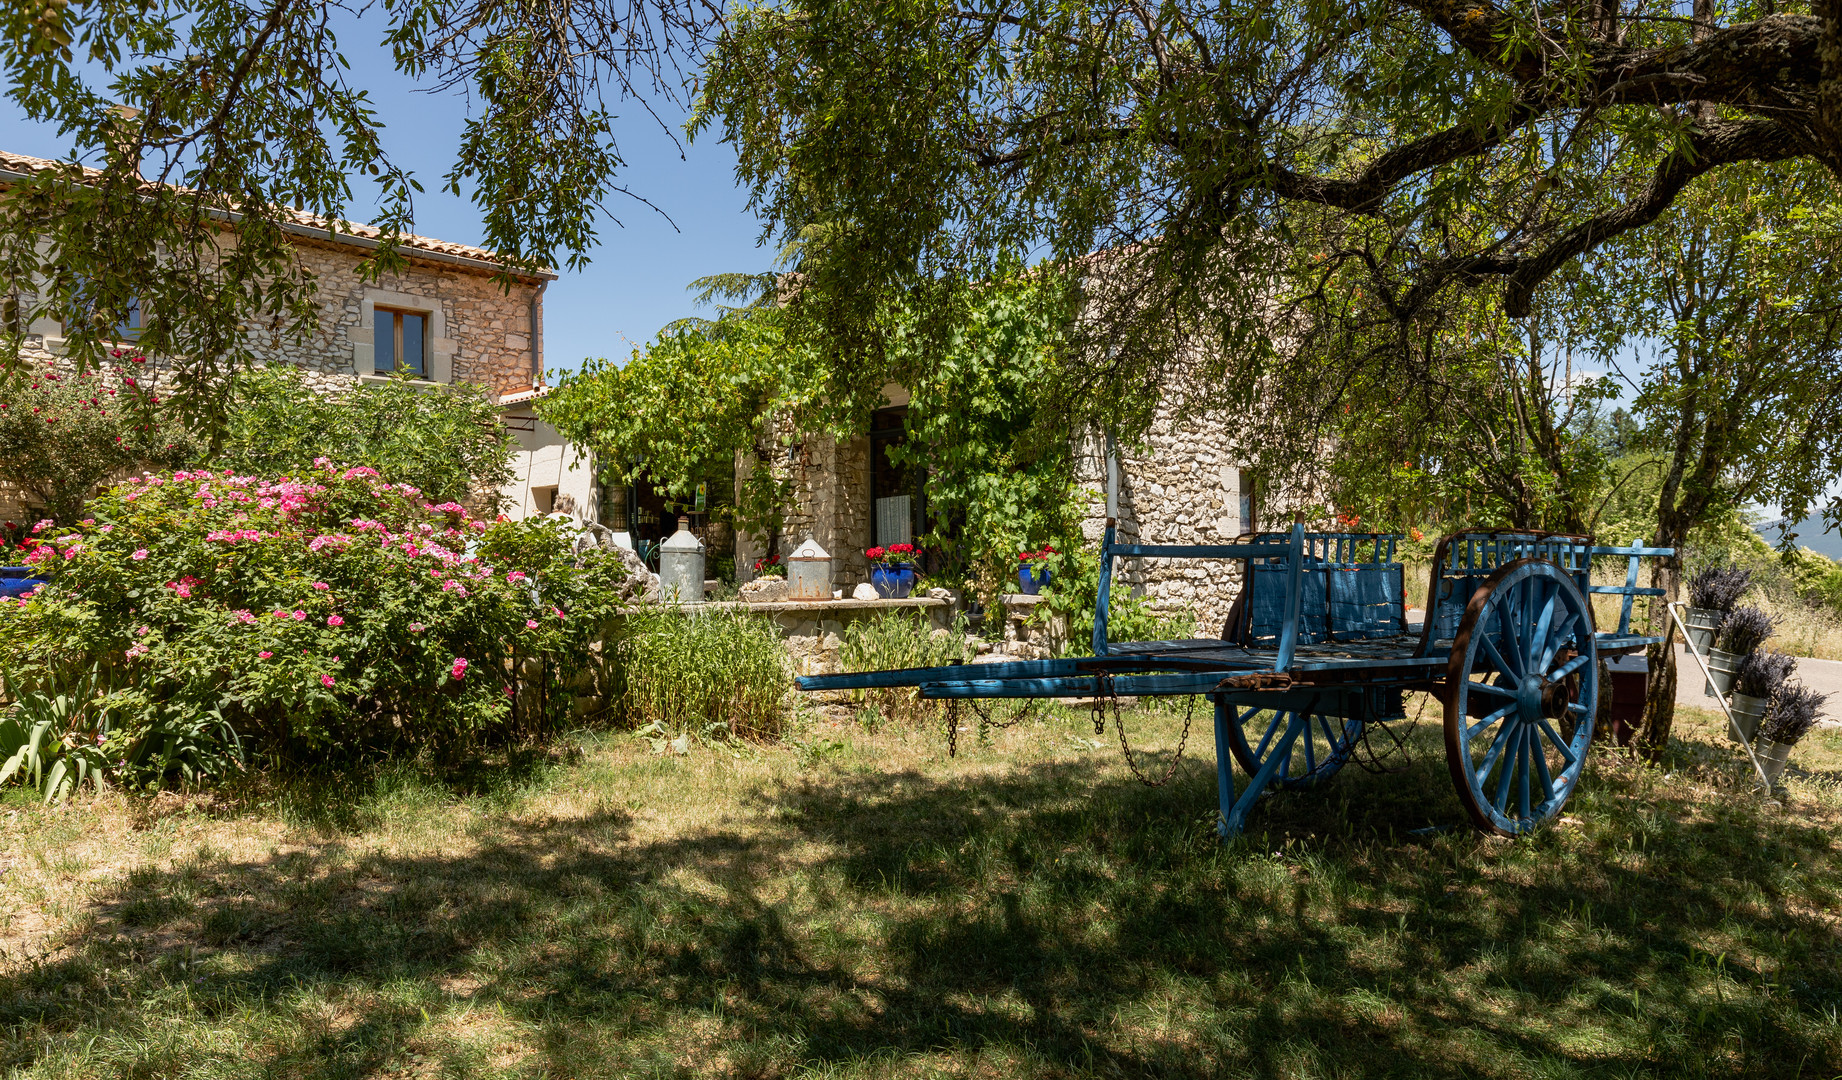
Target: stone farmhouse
<point>443,319</point>
<point>1184,485</point>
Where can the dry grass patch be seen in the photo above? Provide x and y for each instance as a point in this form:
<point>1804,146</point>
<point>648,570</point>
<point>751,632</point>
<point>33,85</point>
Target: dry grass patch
<point>853,903</point>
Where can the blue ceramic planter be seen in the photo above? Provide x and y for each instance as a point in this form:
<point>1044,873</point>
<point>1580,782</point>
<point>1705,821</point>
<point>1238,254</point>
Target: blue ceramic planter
<point>1031,581</point>
<point>892,582</point>
<point>18,580</point>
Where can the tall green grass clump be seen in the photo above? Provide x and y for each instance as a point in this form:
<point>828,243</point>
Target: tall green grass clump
<point>894,640</point>
<point>707,675</point>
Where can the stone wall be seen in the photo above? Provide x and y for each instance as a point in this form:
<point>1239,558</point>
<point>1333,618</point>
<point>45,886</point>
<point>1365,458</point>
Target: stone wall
<point>831,504</point>
<point>1182,485</point>
<point>478,331</point>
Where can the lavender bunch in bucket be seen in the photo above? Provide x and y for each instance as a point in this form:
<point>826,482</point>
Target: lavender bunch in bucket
<point>1792,714</point>
<point>1712,593</point>
<point>1744,630</point>
<point>1762,672</point>
<point>1759,676</point>
<point>1741,632</point>
<point>1718,588</point>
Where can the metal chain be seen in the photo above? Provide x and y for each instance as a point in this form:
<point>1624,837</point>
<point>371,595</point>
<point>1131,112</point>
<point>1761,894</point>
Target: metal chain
<point>1103,691</point>
<point>1374,764</point>
<point>1188,716</point>
<point>985,721</point>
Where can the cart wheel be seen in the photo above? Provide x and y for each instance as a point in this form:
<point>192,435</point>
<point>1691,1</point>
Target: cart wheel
<point>1519,694</point>
<point>1314,757</point>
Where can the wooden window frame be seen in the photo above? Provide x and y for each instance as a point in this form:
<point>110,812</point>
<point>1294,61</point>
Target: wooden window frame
<point>421,370</point>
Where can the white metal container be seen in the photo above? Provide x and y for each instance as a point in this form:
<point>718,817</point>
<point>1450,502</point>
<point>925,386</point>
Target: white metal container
<point>681,566</point>
<point>809,572</point>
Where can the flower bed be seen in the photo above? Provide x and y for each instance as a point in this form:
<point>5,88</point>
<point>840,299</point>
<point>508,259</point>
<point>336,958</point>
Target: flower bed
<point>328,610</point>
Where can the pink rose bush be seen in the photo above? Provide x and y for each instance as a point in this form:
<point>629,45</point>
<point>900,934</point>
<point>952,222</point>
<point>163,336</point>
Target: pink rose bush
<point>328,609</point>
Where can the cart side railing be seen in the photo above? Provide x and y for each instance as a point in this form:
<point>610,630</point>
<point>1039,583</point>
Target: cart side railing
<point>1463,561</point>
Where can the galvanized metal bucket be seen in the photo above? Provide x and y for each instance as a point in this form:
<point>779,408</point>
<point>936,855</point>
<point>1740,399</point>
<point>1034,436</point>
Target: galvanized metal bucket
<point>1722,667</point>
<point>1773,757</point>
<point>1747,712</point>
<point>1701,624</point>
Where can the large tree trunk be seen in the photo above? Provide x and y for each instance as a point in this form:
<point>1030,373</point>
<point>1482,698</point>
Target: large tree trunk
<point>1660,692</point>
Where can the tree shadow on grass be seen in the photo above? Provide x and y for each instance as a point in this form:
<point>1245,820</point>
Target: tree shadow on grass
<point>1054,919</point>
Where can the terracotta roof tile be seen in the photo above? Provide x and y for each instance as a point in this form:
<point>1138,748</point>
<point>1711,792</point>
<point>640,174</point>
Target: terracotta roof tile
<point>410,243</point>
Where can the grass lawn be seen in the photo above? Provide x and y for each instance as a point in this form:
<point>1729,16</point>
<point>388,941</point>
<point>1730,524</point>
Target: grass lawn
<point>853,903</point>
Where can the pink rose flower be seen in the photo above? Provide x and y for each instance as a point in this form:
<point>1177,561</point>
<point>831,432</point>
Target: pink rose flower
<point>265,654</point>
<point>139,554</point>
<point>530,624</point>
<point>326,680</point>
<point>459,670</point>
<point>298,615</point>
<point>334,620</point>
<point>321,586</point>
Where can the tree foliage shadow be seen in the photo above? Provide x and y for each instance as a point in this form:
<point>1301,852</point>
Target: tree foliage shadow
<point>1056,912</point>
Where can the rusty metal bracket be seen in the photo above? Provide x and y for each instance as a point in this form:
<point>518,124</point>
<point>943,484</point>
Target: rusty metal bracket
<point>1257,680</point>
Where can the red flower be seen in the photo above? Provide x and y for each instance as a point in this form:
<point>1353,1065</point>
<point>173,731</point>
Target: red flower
<point>875,553</point>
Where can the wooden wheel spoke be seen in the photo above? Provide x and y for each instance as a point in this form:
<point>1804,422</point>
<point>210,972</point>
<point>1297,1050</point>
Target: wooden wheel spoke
<point>1471,732</point>
<point>1562,634</point>
<point>1496,751</point>
<point>1540,759</point>
<point>1539,639</point>
<point>1529,750</point>
<point>1331,735</point>
<point>1271,729</point>
<point>1497,657</point>
<point>1508,771</point>
<point>1568,668</point>
<point>1494,690</point>
<point>1554,737</point>
<point>1577,708</point>
<point>1507,653</point>
<point>1309,739</point>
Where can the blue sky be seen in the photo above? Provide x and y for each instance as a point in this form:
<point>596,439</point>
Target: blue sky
<point>635,282</point>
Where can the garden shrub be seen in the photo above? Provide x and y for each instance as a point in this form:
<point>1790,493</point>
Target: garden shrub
<point>709,674</point>
<point>892,640</point>
<point>327,612</point>
<point>449,441</point>
<point>63,433</point>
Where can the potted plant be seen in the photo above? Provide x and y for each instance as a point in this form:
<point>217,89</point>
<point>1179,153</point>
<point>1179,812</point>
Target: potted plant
<point>1754,686</point>
<point>1712,593</point>
<point>886,566</point>
<point>1792,714</point>
<point>1033,572</point>
<point>770,566</point>
<point>1741,633</point>
<point>905,566</point>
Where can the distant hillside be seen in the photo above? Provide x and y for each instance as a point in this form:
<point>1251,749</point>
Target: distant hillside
<point>1810,534</point>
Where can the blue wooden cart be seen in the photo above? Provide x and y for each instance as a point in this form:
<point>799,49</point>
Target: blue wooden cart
<point>1318,645</point>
